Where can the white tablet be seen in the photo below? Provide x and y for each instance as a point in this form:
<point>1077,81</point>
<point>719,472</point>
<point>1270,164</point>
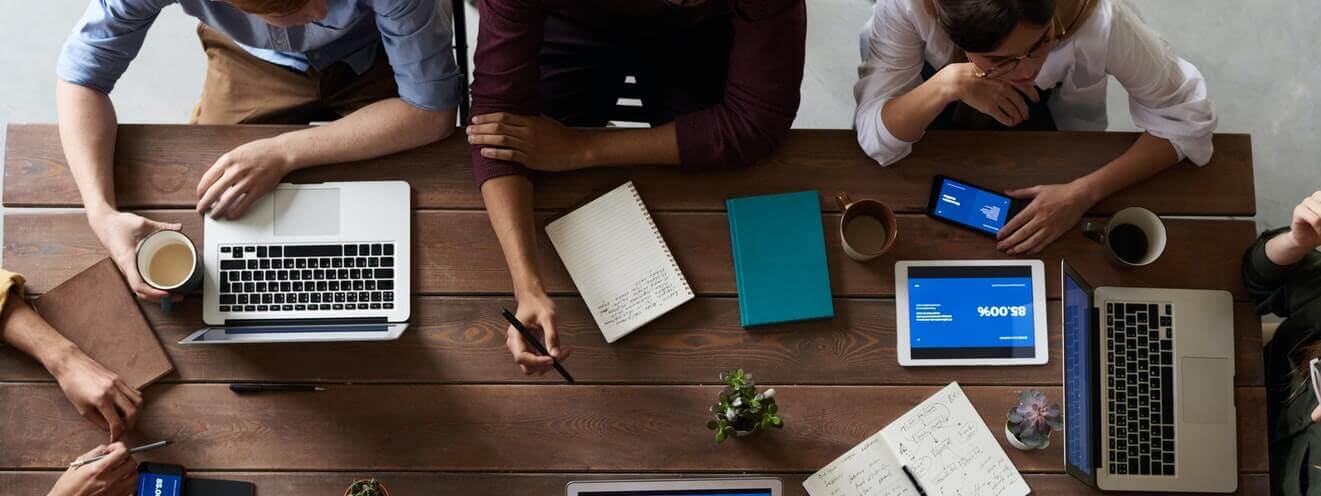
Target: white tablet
<point>971,312</point>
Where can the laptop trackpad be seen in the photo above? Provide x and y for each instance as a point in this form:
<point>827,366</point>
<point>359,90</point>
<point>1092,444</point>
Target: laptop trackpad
<point>1207,389</point>
<point>307,212</point>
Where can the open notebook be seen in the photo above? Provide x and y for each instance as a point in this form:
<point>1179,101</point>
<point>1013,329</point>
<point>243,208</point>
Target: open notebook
<point>942,441</point>
<point>620,263</point>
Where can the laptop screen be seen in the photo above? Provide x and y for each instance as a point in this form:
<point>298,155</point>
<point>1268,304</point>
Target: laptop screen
<point>1078,386</point>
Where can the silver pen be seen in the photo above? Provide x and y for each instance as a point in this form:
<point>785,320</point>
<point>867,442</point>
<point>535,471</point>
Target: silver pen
<point>139,449</point>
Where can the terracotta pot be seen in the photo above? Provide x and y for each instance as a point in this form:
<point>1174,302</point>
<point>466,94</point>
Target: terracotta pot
<point>384,491</point>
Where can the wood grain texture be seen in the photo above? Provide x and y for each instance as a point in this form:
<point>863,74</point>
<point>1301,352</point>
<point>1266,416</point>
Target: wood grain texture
<point>521,484</point>
<point>159,166</point>
<point>456,252</point>
<point>506,428</point>
<point>461,340</point>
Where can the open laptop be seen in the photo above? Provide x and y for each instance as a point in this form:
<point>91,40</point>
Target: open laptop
<point>1149,388</point>
<point>677,487</point>
<point>310,262</point>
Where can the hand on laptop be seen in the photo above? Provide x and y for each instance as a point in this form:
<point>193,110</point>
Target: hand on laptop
<point>98,394</point>
<point>239,178</point>
<point>114,475</point>
<point>1054,210</point>
<point>120,233</point>
<point>537,313</point>
<point>538,142</point>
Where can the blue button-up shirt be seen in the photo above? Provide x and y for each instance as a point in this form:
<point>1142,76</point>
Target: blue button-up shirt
<point>416,34</point>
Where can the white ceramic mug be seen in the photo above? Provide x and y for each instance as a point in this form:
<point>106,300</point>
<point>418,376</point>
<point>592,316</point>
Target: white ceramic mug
<point>1124,246</point>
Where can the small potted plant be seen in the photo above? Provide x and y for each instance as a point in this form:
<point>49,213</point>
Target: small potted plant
<point>1032,420</point>
<point>366,487</point>
<point>740,410</point>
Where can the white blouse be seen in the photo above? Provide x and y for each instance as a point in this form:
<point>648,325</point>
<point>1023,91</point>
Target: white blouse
<point>1167,95</point>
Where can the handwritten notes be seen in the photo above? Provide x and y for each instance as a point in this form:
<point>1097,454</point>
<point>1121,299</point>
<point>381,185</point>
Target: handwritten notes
<point>942,441</point>
<point>619,262</point>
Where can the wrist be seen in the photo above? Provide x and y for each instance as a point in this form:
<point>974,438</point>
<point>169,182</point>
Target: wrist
<point>57,359</point>
<point>283,152</point>
<point>948,84</point>
<point>99,211</point>
<point>1087,190</point>
<point>587,148</point>
<point>527,288</point>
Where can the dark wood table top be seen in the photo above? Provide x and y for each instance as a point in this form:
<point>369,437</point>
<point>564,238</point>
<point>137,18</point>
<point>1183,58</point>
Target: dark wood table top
<point>444,410</point>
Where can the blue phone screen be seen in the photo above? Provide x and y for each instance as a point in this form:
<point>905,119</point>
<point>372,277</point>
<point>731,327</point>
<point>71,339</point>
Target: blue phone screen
<point>150,484</point>
<point>972,206</point>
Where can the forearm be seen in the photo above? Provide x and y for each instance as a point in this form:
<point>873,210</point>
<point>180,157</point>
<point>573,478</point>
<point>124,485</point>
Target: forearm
<point>1148,156</point>
<point>87,131</point>
<point>907,116</point>
<point>650,146</point>
<point>382,128</point>
<point>508,202</point>
<point>23,328</point>
<point>1282,250</point>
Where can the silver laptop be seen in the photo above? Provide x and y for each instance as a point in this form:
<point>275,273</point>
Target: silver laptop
<point>310,262</point>
<point>677,487</point>
<point>1149,388</point>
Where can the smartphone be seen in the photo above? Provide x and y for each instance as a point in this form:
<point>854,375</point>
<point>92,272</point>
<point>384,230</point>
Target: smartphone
<point>160,479</point>
<point>969,206</point>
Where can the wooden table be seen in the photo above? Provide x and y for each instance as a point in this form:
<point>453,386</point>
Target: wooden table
<point>444,411</point>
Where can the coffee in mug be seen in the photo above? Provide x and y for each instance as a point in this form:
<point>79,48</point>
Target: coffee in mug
<point>867,228</point>
<point>1134,236</point>
<point>168,261</point>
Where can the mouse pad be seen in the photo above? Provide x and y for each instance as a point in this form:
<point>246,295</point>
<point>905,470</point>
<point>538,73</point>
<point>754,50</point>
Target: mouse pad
<point>214,487</point>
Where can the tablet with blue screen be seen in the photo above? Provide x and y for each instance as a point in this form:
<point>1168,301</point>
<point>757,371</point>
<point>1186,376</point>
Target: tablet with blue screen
<point>971,312</point>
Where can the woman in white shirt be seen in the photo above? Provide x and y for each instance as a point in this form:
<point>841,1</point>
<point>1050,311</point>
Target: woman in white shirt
<point>986,59</point>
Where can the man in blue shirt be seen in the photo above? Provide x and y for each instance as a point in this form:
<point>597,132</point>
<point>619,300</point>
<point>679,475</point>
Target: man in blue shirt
<point>382,70</point>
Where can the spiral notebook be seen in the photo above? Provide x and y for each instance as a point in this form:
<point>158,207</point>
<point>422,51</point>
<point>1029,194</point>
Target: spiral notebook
<point>619,262</point>
<point>939,448</point>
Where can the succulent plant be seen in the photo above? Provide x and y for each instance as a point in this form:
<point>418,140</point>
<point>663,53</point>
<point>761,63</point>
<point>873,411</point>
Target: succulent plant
<point>1032,420</point>
<point>741,409</point>
<point>367,487</point>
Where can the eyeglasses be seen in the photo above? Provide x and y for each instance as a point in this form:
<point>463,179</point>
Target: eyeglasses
<point>1041,48</point>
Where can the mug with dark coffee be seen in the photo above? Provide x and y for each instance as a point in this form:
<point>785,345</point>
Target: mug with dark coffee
<point>867,229</point>
<point>168,261</point>
<point>1134,236</point>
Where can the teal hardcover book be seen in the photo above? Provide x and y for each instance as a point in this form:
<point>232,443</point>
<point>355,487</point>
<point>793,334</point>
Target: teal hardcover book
<point>779,249</point>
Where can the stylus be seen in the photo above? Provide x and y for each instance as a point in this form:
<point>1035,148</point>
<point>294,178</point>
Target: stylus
<point>139,449</point>
<point>536,345</point>
<point>913,479</point>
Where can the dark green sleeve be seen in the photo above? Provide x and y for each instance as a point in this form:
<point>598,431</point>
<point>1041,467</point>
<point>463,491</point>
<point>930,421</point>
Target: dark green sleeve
<point>1280,289</point>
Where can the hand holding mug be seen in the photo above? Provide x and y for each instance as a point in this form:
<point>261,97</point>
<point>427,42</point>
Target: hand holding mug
<point>167,261</point>
<point>120,233</point>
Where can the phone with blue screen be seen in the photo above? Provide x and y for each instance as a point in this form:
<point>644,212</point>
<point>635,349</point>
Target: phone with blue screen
<point>969,206</point>
<point>159,479</point>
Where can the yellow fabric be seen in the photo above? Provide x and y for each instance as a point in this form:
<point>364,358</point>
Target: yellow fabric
<point>10,282</point>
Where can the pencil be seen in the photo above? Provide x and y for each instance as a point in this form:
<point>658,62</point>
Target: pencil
<point>536,345</point>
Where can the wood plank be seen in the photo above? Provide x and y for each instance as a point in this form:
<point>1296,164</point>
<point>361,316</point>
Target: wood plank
<point>404,483</point>
<point>456,252</point>
<point>505,428</point>
<point>461,340</point>
<point>159,165</point>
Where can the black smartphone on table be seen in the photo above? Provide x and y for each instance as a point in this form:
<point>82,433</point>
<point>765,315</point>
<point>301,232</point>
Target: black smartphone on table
<point>969,206</point>
<point>160,479</point>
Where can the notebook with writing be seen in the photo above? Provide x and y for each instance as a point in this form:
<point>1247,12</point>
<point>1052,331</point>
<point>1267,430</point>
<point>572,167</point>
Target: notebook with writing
<point>619,262</point>
<point>96,311</point>
<point>942,442</point>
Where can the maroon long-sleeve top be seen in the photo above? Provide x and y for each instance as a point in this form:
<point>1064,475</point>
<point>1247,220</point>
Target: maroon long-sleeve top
<point>761,93</point>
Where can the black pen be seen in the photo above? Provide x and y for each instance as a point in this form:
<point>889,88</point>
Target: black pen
<point>251,387</point>
<point>913,479</point>
<point>536,345</point>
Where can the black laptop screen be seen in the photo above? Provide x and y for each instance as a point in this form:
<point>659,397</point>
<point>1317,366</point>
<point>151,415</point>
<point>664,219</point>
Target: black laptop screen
<point>1077,376</point>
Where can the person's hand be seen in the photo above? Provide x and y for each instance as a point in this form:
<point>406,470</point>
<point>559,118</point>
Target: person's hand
<point>537,313</point>
<point>1305,228</point>
<point>98,394</point>
<point>1055,208</point>
<point>537,142</point>
<point>114,475</point>
<point>241,177</point>
<point>120,233</point>
<point>1001,100</point>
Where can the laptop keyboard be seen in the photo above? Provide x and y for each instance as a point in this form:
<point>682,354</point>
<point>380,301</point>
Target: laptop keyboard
<point>306,278</point>
<point>1140,363</point>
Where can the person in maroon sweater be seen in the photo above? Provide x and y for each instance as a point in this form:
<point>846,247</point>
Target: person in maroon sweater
<point>719,80</point>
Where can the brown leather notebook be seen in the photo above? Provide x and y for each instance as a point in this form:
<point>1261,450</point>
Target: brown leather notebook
<point>97,311</point>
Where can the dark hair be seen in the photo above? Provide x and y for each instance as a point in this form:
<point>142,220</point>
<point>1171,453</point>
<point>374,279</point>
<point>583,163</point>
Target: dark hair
<point>982,25</point>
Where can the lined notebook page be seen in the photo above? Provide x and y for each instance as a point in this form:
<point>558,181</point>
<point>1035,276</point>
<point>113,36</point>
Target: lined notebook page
<point>869,469</point>
<point>618,261</point>
<point>950,450</point>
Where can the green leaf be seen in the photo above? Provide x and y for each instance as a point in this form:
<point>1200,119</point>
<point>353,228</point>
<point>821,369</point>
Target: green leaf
<point>771,408</point>
<point>776,421</point>
<point>713,425</point>
<point>720,436</point>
